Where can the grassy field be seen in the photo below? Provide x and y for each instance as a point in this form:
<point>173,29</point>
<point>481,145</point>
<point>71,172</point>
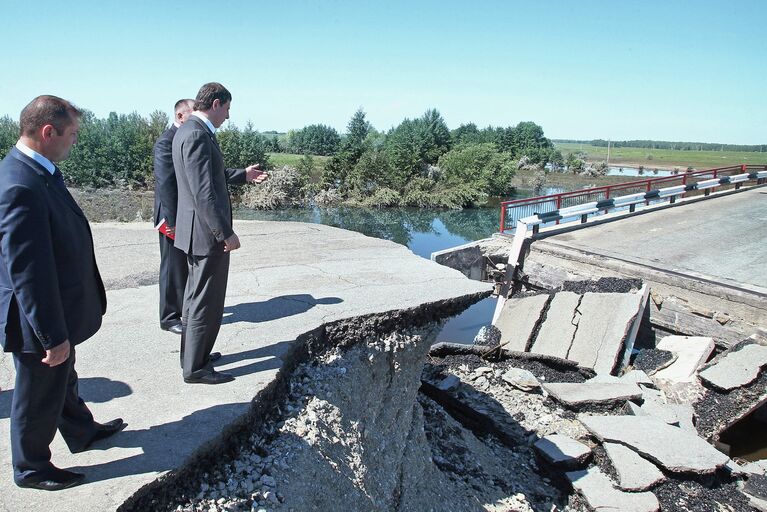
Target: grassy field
<point>280,159</point>
<point>663,158</point>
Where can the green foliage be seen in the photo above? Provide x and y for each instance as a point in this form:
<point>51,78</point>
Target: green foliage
<point>481,166</point>
<point>9,134</point>
<point>315,139</point>
<point>383,197</point>
<point>116,151</point>
<point>243,148</point>
<point>283,188</point>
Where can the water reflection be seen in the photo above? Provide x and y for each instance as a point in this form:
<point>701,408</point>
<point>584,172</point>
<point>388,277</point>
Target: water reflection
<point>422,231</point>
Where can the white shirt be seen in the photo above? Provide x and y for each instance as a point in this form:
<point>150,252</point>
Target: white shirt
<point>176,124</point>
<point>206,121</point>
<point>37,157</point>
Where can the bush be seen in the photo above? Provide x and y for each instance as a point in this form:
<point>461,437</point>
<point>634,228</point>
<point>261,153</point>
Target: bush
<point>478,165</point>
<point>383,197</point>
<point>282,189</point>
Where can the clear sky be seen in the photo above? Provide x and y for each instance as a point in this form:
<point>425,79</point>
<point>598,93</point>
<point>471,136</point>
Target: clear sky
<point>691,70</point>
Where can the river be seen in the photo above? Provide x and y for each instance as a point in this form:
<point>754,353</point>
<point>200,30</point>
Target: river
<point>420,230</point>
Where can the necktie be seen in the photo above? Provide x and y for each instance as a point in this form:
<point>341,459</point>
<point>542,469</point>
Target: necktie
<point>59,177</point>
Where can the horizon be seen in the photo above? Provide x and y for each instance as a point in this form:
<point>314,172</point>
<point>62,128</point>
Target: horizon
<point>595,70</point>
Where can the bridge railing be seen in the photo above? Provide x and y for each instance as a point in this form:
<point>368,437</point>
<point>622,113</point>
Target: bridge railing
<point>513,211</point>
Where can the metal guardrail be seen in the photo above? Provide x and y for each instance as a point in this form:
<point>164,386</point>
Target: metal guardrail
<point>513,211</point>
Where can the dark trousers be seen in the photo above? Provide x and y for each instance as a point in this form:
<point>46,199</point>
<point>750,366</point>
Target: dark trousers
<point>173,274</point>
<point>45,399</point>
<point>203,310</point>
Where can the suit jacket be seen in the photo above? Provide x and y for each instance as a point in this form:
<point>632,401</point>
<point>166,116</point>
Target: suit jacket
<point>50,286</point>
<point>165,188</point>
<point>204,215</point>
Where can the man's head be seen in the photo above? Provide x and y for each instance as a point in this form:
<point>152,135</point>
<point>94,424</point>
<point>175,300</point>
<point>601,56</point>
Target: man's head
<point>183,109</point>
<point>214,100</point>
<point>49,125</point>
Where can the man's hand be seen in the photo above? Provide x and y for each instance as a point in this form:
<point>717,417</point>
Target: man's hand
<point>57,354</point>
<point>232,243</point>
<point>254,174</point>
<point>170,231</point>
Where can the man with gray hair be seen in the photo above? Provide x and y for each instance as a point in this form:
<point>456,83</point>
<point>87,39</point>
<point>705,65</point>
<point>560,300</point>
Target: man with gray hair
<point>173,271</point>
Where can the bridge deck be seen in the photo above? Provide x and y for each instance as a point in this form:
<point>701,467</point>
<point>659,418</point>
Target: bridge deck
<point>287,279</point>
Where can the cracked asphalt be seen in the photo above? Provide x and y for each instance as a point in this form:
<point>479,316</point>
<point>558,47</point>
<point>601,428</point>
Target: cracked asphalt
<point>288,278</point>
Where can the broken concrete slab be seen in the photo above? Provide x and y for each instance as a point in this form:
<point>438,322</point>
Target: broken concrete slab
<point>562,451</point>
<point>605,329</point>
<point>518,319</point>
<point>691,352</point>
<point>673,448</point>
<point>677,415</point>
<point>556,333</point>
<point>637,377</point>
<point>635,473</point>
<point>736,368</point>
<point>755,489</point>
<point>591,393</point>
<point>651,360</point>
<point>448,383</point>
<point>600,493</point>
<point>521,379</point>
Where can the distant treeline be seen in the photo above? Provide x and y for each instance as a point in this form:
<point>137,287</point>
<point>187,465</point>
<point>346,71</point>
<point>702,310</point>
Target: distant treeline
<point>419,162</point>
<point>662,144</point>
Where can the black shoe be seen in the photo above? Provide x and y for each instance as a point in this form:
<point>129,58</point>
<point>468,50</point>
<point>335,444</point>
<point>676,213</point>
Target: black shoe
<point>175,328</point>
<point>214,356</point>
<point>103,430</point>
<point>212,377</point>
<point>54,480</point>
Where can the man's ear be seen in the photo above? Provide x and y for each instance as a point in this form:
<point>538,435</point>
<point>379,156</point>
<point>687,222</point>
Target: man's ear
<point>216,103</point>
<point>46,131</point>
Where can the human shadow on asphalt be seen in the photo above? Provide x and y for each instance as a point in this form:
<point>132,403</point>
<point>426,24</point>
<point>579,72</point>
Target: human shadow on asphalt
<point>274,308</point>
<point>92,389</point>
<point>269,358</point>
<point>161,445</point>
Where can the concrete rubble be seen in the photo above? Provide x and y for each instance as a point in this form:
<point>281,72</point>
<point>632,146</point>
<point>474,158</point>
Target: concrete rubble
<point>737,368</point>
<point>562,451</point>
<point>592,393</point>
<point>690,351</point>
<point>680,451</point>
<point>635,473</point>
<point>601,494</point>
<point>596,330</point>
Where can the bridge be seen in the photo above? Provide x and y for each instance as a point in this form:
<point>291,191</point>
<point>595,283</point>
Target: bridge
<point>697,238</point>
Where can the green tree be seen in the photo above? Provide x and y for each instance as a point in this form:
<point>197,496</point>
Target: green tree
<point>480,166</point>
<point>9,134</point>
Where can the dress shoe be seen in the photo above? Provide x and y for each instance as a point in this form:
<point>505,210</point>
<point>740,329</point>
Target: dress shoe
<point>53,480</point>
<point>212,377</point>
<point>175,328</point>
<point>214,356</point>
<point>103,430</point>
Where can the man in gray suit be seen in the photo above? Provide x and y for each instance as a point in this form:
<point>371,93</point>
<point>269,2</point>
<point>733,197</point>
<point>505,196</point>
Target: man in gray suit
<point>204,229</point>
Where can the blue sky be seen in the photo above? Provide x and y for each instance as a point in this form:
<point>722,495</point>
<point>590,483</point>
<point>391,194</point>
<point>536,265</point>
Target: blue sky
<point>666,70</point>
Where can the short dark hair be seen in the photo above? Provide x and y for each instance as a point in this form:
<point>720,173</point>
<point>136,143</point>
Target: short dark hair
<point>210,92</point>
<point>181,103</point>
<point>44,110</point>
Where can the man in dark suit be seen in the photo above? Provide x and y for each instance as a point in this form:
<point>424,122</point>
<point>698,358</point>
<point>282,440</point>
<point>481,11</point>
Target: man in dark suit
<point>173,271</point>
<point>204,229</point>
<point>51,295</point>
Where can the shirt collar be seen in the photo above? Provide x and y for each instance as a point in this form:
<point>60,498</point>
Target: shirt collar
<point>176,124</point>
<point>205,120</point>
<point>37,157</point>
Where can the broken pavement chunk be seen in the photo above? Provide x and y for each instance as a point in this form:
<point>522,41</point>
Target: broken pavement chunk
<point>605,329</point>
<point>556,333</point>
<point>691,352</point>
<point>521,379</point>
<point>563,451</point>
<point>736,368</point>
<point>673,448</point>
<point>591,393</point>
<point>635,473</point>
<point>518,319</point>
<point>600,493</point>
